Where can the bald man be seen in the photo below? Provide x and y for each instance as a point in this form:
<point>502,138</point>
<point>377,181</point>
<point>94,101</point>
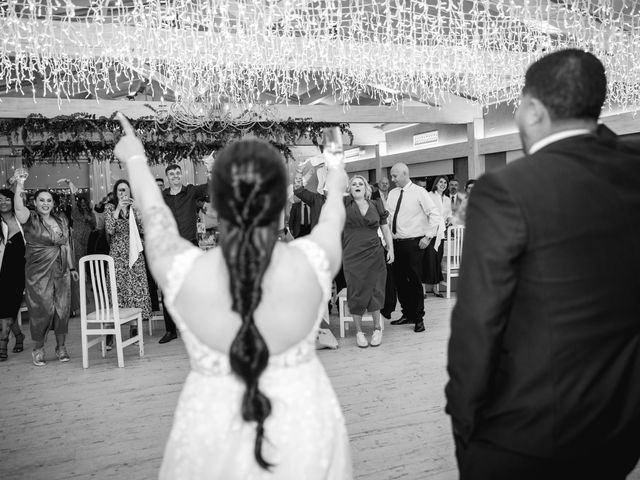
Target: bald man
<point>414,220</point>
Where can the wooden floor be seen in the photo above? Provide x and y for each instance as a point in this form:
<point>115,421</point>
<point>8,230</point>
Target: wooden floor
<point>63,422</point>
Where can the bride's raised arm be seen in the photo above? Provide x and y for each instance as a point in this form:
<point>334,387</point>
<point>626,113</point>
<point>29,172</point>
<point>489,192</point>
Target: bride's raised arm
<point>162,240</point>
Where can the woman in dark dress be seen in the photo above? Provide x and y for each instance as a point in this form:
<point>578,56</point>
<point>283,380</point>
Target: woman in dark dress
<point>363,257</point>
<point>11,273</point>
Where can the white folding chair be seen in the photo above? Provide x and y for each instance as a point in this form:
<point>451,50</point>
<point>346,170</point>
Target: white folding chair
<point>23,308</point>
<point>345,315</point>
<point>107,315</point>
<point>455,238</point>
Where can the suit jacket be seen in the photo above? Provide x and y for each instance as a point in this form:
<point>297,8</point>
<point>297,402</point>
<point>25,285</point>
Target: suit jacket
<point>544,354</point>
<point>295,219</point>
<point>315,202</point>
<point>458,201</point>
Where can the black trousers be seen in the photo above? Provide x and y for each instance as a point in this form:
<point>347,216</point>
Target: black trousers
<point>153,287</point>
<point>169,324</point>
<point>390,298</point>
<point>482,461</point>
<point>407,273</point>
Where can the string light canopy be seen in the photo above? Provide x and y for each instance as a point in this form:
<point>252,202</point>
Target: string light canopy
<point>235,51</point>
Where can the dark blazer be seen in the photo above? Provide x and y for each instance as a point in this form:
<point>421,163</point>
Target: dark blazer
<point>315,202</point>
<point>544,354</point>
<point>295,219</point>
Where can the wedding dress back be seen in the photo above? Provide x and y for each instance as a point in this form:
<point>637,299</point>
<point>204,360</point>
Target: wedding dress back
<point>305,435</point>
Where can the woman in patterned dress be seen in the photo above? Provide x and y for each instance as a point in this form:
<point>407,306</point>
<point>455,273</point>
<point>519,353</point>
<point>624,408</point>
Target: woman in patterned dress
<point>133,290</point>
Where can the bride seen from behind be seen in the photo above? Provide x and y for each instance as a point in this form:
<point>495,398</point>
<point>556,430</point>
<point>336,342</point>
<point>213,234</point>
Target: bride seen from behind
<point>257,402</point>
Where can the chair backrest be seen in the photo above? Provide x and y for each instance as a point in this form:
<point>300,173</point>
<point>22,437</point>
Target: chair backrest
<point>455,238</point>
<point>103,283</point>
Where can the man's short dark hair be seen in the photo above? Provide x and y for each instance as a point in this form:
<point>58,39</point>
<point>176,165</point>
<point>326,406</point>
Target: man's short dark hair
<point>571,83</point>
<point>158,179</point>
<point>469,182</point>
<point>173,166</point>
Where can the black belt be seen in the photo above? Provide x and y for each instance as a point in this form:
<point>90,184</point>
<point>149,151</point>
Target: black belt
<point>412,239</point>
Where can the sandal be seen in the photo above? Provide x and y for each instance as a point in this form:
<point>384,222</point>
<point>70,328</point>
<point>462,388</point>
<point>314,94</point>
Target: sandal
<point>18,347</point>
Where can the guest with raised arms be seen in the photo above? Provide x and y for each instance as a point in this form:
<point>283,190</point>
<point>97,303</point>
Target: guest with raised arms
<point>363,257</point>
<point>48,272</point>
<point>182,202</point>
<point>257,402</point>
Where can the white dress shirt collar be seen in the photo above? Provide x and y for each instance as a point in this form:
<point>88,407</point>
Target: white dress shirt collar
<point>555,137</point>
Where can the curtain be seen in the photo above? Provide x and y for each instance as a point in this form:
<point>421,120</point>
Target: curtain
<point>7,167</point>
<point>99,180</point>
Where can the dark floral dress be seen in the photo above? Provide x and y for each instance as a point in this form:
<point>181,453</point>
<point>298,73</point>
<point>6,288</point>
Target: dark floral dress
<point>133,290</point>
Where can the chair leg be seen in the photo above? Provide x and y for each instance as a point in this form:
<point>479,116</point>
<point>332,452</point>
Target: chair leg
<point>119,349</point>
<point>448,285</point>
<point>341,314</point>
<point>141,339</point>
<point>85,347</point>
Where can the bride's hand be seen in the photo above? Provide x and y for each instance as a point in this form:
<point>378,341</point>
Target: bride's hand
<point>129,146</point>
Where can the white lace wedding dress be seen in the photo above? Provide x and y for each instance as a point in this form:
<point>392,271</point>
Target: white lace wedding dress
<point>305,435</point>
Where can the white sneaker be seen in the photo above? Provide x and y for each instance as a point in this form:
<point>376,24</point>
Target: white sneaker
<point>361,340</point>
<point>376,338</point>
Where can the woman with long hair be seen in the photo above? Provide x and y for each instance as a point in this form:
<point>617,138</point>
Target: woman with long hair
<point>257,403</point>
<point>12,247</point>
<point>432,266</point>
<point>364,258</point>
<point>48,272</point>
<point>131,274</point>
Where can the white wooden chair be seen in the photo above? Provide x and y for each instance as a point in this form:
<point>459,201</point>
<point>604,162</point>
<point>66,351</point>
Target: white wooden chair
<point>345,315</point>
<point>23,308</point>
<point>455,238</point>
<point>107,315</point>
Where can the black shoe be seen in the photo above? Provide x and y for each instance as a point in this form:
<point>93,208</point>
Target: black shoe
<point>419,327</point>
<point>401,321</point>
<point>167,337</point>
<point>19,346</point>
<point>385,314</point>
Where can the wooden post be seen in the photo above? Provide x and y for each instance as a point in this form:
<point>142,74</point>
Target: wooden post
<point>475,131</point>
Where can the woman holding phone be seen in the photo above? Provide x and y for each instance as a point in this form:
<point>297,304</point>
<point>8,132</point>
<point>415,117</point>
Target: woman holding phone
<point>131,276</point>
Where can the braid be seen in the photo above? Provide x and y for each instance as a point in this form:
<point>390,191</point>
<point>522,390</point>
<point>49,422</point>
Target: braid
<point>247,247</point>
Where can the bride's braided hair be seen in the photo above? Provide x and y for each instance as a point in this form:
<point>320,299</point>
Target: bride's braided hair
<point>249,192</point>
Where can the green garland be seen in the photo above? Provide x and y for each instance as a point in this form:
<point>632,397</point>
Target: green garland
<point>71,138</point>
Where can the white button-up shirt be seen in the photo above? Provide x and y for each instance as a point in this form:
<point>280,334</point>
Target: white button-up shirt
<point>418,215</point>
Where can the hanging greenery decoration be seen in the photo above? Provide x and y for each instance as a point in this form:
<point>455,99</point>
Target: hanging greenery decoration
<point>81,136</point>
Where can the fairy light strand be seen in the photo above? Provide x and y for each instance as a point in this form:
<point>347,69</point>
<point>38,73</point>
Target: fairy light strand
<point>232,51</point>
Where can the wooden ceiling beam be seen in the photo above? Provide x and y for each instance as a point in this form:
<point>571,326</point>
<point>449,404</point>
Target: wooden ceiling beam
<point>462,113</point>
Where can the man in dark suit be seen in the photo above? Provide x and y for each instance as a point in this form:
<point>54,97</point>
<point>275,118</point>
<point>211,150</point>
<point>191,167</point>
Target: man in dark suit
<point>456,196</point>
<point>299,219</point>
<point>544,354</point>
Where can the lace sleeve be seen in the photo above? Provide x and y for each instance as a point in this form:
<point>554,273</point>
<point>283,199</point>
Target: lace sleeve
<point>163,242</point>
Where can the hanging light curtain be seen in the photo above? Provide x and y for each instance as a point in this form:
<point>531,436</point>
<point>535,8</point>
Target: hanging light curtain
<point>7,167</point>
<point>99,180</point>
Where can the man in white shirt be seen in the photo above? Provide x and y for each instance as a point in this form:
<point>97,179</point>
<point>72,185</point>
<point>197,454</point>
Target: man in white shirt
<point>414,220</point>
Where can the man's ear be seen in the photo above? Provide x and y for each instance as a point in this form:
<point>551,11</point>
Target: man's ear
<point>536,114</point>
